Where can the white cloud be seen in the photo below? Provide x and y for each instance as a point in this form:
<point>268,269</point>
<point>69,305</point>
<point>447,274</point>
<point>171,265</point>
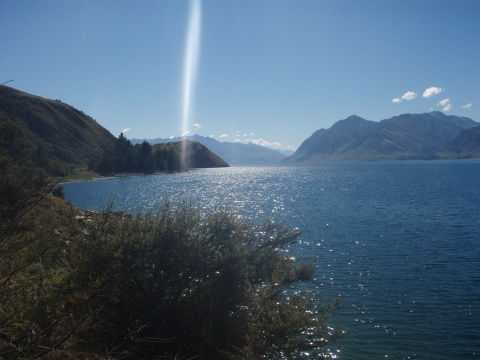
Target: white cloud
<point>211,136</point>
<point>171,137</point>
<point>237,140</point>
<point>409,95</point>
<point>432,91</point>
<point>186,133</point>
<point>224,135</point>
<point>197,126</point>
<point>467,106</point>
<point>445,104</point>
<point>126,130</point>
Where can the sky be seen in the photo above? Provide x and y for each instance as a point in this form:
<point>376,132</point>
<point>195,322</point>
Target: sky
<point>267,72</point>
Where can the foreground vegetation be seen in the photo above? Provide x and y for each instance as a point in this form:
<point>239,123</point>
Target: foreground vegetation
<point>175,284</point>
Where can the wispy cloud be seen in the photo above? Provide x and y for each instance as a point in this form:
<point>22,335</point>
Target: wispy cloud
<point>186,133</point>
<point>445,104</point>
<point>432,91</point>
<point>197,126</point>
<point>467,106</point>
<point>246,138</point>
<point>270,144</point>
<point>126,130</point>
<point>409,95</point>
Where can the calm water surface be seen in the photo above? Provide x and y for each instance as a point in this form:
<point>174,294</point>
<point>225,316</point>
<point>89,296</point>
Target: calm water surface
<point>398,242</point>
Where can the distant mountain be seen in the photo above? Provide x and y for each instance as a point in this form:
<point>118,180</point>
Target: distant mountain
<point>286,152</point>
<point>235,154</point>
<point>61,131</point>
<point>407,136</point>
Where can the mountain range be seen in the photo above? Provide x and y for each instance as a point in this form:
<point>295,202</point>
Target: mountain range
<point>235,154</point>
<point>409,136</point>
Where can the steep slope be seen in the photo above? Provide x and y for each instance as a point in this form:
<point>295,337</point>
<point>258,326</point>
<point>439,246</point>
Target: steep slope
<point>233,153</point>
<point>466,144</point>
<point>330,144</point>
<point>407,136</point>
<point>196,154</point>
<point>63,132</point>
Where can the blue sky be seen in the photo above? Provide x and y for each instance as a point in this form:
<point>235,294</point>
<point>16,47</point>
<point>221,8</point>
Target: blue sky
<point>271,72</point>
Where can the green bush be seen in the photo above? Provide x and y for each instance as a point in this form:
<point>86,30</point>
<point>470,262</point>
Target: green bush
<point>180,283</point>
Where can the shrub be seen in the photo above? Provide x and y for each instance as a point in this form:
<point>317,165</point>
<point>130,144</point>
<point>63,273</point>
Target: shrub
<point>180,284</point>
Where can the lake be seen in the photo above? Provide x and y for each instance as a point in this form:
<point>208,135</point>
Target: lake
<point>399,242</point>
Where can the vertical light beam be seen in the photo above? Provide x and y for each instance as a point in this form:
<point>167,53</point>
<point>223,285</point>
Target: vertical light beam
<point>190,64</point>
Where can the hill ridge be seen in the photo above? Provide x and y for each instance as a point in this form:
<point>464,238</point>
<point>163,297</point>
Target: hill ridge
<point>65,133</point>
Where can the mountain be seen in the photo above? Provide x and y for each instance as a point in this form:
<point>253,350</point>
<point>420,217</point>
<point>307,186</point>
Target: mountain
<point>324,143</point>
<point>407,136</point>
<point>235,154</point>
<point>61,131</point>
<point>466,144</point>
<point>196,154</point>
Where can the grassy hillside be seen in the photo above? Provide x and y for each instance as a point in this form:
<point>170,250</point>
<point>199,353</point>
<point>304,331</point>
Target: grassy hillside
<point>62,132</point>
<point>196,154</point>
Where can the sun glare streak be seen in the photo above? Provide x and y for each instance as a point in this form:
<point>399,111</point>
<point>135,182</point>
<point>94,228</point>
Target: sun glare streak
<point>192,50</point>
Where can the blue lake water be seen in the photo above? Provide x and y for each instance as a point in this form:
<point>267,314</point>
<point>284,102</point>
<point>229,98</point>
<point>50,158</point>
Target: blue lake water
<point>399,242</point>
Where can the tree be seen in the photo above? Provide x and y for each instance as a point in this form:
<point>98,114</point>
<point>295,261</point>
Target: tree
<point>124,156</point>
<point>145,161</point>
